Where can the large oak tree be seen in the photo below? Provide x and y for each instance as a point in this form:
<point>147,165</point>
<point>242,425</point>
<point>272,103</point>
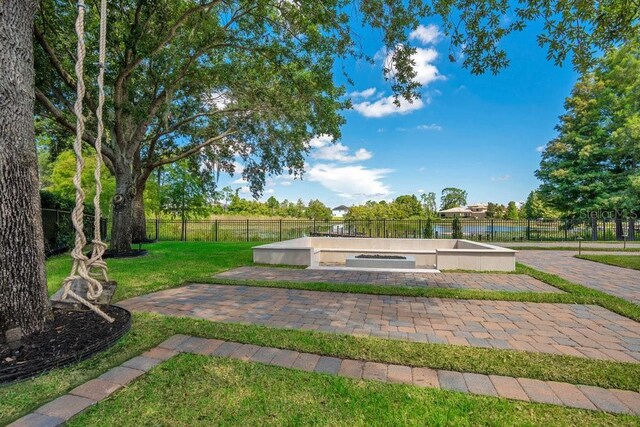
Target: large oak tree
<point>215,79</point>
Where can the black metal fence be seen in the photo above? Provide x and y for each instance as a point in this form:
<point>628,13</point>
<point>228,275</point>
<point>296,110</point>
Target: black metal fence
<point>224,230</point>
<point>58,229</point>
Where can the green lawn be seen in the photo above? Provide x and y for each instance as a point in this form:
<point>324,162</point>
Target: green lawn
<point>171,264</point>
<point>168,264</point>
<point>193,390</point>
<point>626,261</point>
<point>571,248</point>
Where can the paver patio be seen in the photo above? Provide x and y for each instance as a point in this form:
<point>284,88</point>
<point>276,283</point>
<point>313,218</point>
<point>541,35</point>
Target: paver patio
<point>477,281</point>
<point>618,281</point>
<point>58,411</point>
<point>580,330</point>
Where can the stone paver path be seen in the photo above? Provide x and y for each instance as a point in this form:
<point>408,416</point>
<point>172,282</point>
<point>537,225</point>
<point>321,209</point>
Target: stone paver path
<point>55,413</point>
<point>579,330</point>
<point>618,281</point>
<point>477,281</point>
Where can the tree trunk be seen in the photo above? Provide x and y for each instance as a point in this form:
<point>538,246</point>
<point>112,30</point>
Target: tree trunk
<point>23,284</point>
<point>139,228</point>
<point>122,207</point>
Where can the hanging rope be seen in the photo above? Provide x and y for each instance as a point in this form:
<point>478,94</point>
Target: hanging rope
<point>99,246</point>
<point>82,264</point>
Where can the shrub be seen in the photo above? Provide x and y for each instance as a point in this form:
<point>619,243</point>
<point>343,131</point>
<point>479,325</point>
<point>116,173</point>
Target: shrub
<point>428,229</point>
<point>456,229</point>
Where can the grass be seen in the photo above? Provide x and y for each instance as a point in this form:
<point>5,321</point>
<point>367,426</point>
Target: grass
<point>168,264</point>
<point>151,329</point>
<point>571,248</point>
<point>199,390</point>
<point>626,261</point>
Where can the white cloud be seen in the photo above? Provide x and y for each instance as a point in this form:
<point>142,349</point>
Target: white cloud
<point>245,190</point>
<point>340,153</point>
<point>320,141</point>
<point>423,59</point>
<point>426,72</point>
<point>270,191</point>
<point>285,183</point>
<point>367,93</point>
<point>425,35</point>
<point>420,190</point>
<point>324,149</point>
<point>432,126</point>
<point>385,107</point>
<point>540,148</point>
<point>351,181</point>
<point>501,178</point>
<point>240,181</point>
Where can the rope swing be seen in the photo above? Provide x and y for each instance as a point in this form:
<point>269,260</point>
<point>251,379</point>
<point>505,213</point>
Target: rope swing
<point>84,268</point>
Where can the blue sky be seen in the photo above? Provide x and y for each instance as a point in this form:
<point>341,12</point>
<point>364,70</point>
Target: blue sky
<point>479,133</point>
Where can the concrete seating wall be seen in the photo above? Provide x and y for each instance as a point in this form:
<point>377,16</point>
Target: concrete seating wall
<point>441,254</point>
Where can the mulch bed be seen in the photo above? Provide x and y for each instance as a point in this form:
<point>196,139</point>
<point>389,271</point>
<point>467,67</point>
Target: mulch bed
<point>381,256</point>
<point>70,337</point>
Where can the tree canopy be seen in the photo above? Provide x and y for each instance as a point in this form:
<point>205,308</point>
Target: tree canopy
<point>452,197</point>
<point>537,208</point>
<point>429,204</point>
<point>593,163</point>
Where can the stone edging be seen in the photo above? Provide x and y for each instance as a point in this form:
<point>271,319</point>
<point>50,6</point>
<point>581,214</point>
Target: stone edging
<point>58,411</point>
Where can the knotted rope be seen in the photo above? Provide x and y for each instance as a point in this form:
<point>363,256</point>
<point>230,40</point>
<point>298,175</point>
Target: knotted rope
<point>81,264</point>
<point>98,245</point>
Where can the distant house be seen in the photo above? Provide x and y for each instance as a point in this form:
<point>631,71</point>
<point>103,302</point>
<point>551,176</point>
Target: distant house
<point>472,211</point>
<point>339,211</point>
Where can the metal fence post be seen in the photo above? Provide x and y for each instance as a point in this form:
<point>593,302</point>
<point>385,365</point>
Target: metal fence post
<point>216,230</point>
<point>183,234</point>
<point>492,235</point>
<point>281,230</point>
<point>157,228</point>
<point>528,229</point>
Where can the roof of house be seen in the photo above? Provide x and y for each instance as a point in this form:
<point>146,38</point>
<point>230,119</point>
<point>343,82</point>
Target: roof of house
<point>341,208</point>
<point>456,210</point>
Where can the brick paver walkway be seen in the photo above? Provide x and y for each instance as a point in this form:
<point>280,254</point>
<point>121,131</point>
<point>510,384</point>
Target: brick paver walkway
<point>579,330</point>
<point>618,281</point>
<point>478,281</point>
<point>55,413</point>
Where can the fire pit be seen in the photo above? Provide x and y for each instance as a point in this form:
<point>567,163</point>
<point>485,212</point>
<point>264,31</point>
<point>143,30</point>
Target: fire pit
<point>381,256</point>
<point>380,261</point>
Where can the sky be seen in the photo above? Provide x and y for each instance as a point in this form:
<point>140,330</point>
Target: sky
<point>483,134</point>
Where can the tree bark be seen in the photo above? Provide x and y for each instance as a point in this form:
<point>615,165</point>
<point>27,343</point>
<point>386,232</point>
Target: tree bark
<point>139,227</point>
<point>23,286</point>
<point>122,206</point>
